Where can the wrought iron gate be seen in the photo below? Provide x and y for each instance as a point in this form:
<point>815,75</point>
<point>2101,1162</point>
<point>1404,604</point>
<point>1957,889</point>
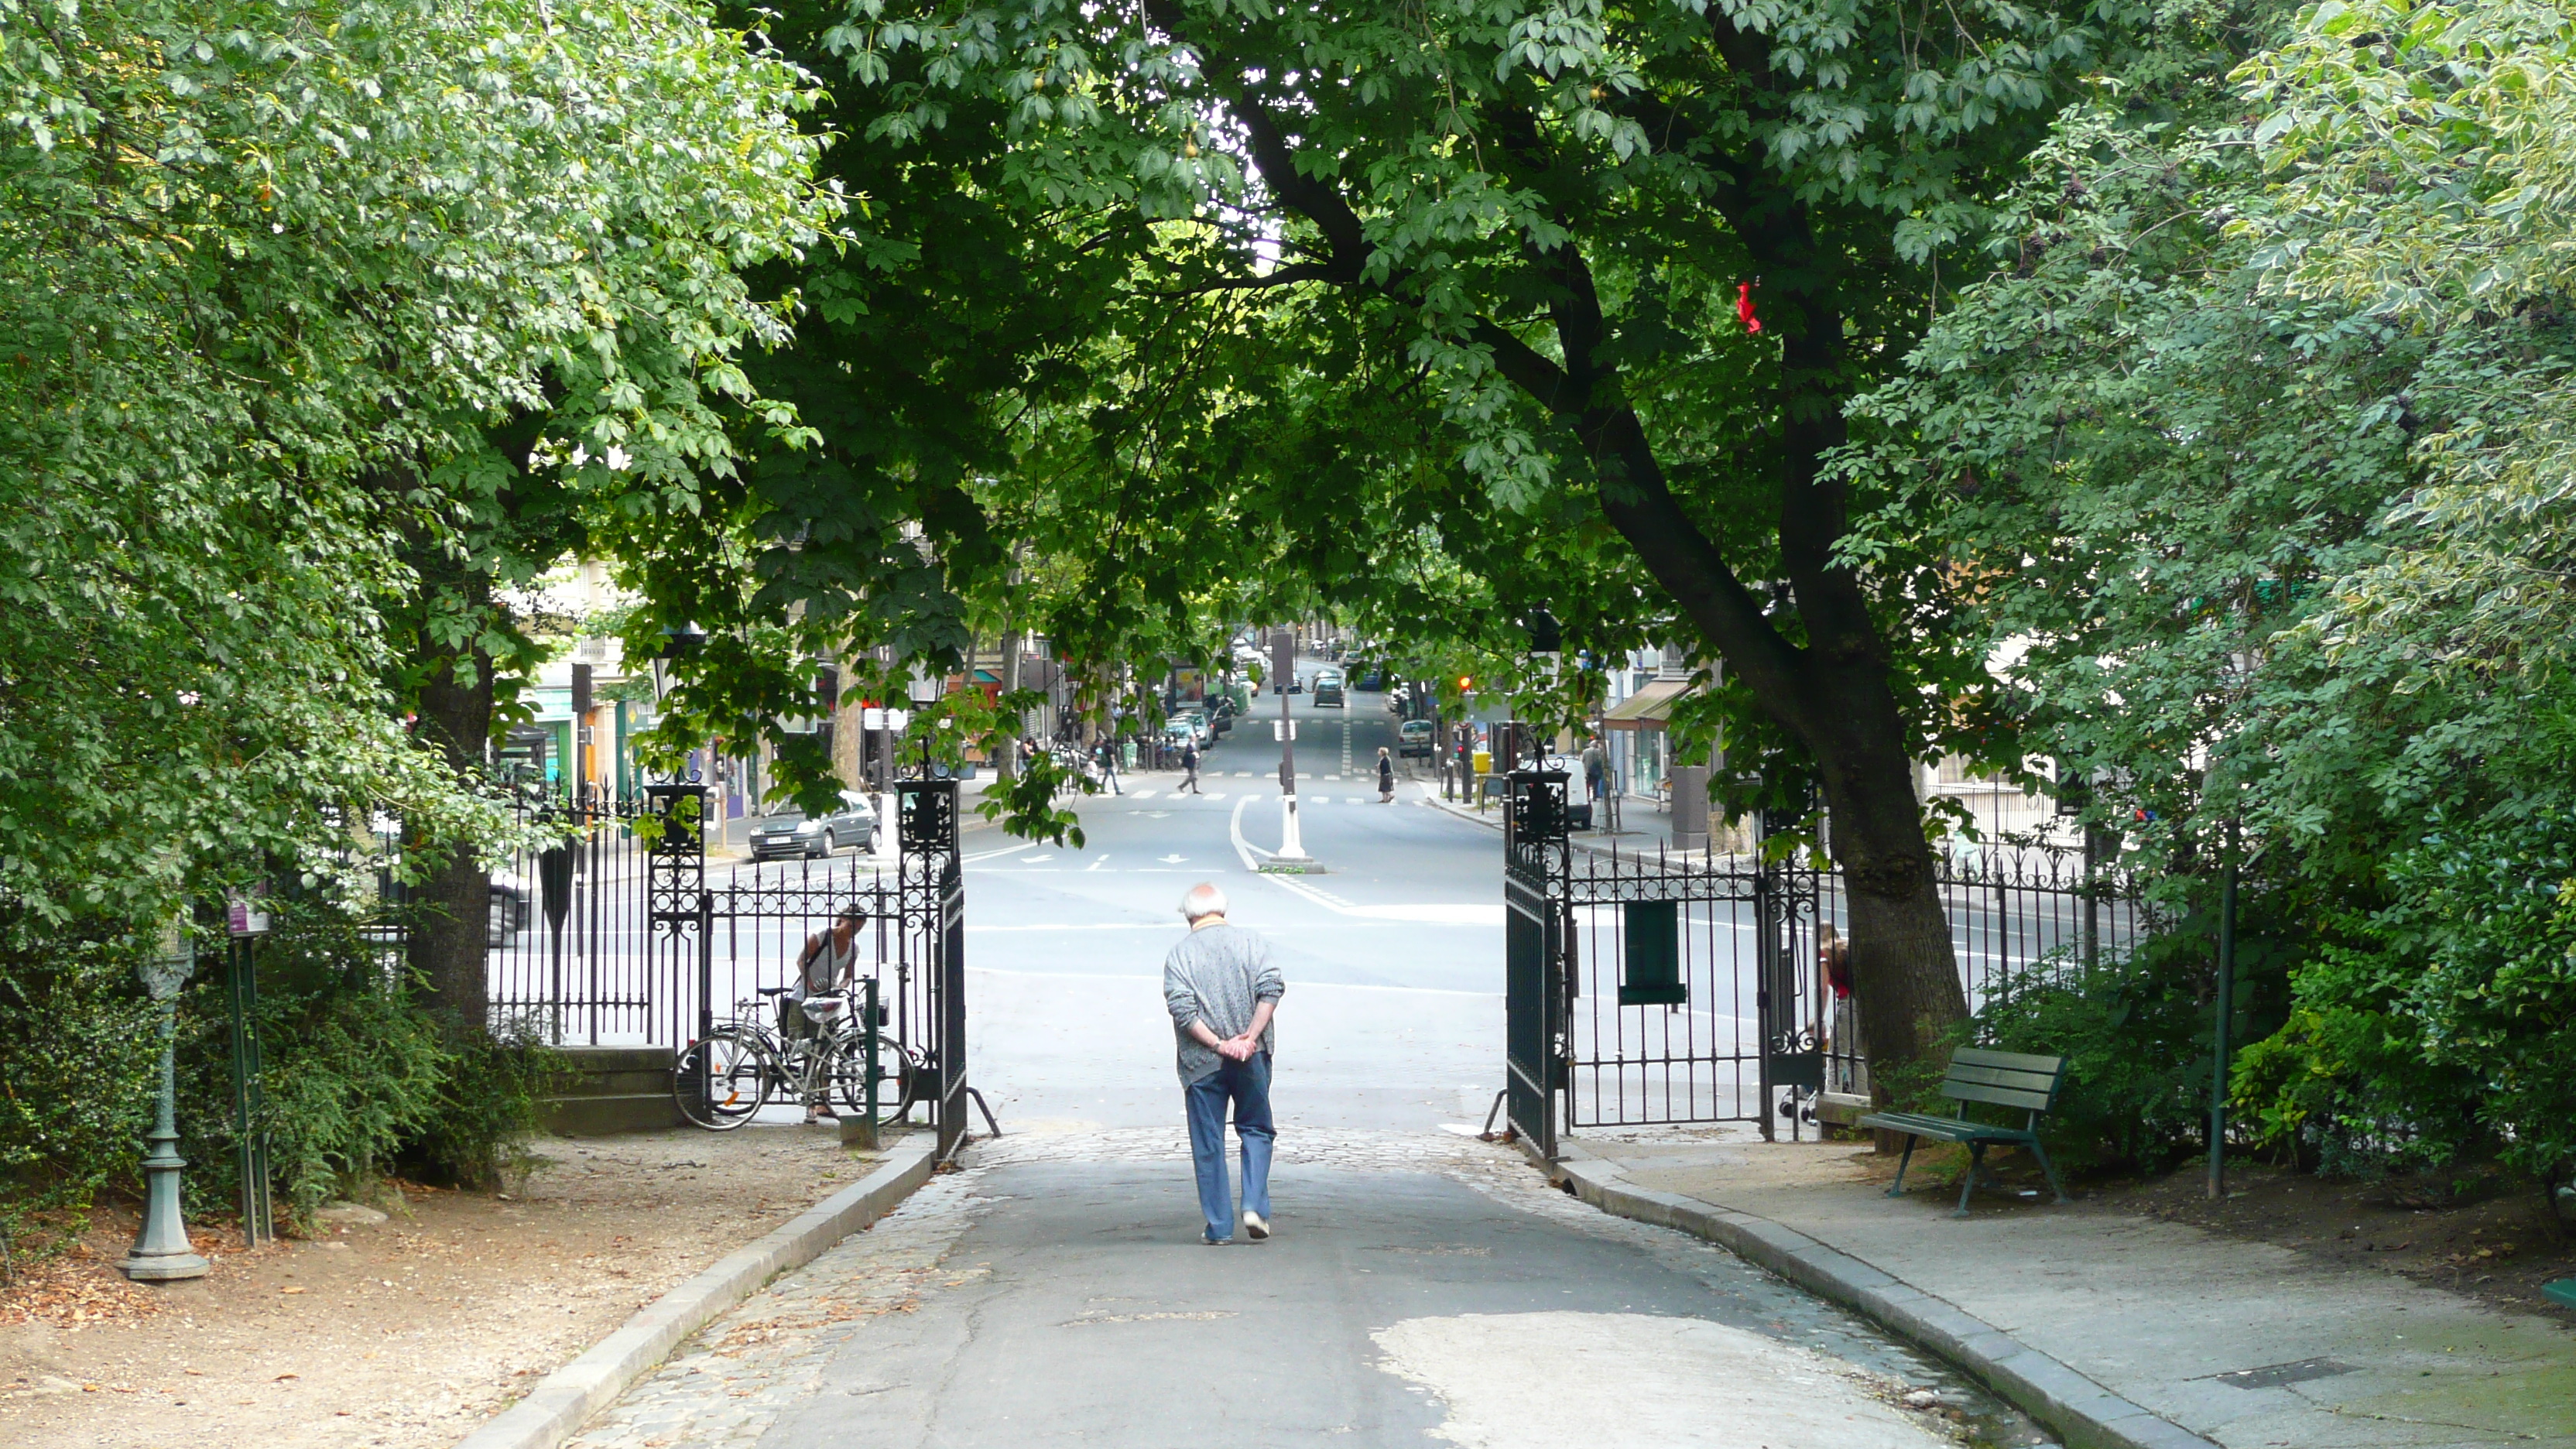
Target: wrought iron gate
<point>713,945</point>
<point>1643,990</point>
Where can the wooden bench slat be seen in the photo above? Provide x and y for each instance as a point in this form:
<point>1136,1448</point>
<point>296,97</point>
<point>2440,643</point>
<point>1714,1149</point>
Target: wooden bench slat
<point>2013,1097</point>
<point>2021,1061</point>
<point>1946,1129</point>
<point>2003,1077</point>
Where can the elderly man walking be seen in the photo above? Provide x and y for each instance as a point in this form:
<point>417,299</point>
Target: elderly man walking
<point>1222,990</point>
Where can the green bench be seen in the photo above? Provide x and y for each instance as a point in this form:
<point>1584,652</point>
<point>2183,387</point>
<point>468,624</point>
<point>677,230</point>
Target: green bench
<point>2003,1079</point>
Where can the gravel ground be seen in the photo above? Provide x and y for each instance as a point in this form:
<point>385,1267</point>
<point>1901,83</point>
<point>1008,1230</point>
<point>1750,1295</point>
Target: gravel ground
<point>404,1333</point>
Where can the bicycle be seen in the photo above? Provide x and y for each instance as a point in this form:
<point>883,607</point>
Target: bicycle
<point>724,1078</point>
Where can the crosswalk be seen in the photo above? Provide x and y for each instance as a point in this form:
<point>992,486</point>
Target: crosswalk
<point>1302,797</point>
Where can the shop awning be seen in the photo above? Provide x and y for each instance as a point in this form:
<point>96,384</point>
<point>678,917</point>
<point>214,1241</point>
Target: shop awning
<point>1649,708</point>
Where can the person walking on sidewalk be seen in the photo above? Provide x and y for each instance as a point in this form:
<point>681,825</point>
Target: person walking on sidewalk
<point>1222,989</point>
<point>1190,769</point>
<point>1385,777</point>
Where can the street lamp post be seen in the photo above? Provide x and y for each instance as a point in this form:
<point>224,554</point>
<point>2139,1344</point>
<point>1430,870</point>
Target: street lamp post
<point>1283,663</point>
<point>161,1252</point>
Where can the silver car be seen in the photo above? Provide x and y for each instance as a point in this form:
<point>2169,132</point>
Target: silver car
<point>853,825</point>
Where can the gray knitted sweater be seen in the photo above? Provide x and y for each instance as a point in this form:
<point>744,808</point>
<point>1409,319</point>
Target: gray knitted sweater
<point>1218,975</point>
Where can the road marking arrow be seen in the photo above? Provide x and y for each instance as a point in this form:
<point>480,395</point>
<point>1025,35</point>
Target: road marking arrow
<point>1175,859</point>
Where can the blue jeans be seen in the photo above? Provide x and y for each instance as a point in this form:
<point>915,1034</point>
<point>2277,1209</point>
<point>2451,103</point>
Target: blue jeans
<point>1247,1085</point>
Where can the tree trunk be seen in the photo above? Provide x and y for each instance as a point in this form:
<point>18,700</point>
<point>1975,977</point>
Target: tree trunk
<point>1832,692</point>
<point>452,909</point>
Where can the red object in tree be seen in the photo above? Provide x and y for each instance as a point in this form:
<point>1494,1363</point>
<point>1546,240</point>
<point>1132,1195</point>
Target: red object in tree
<point>1744,307</point>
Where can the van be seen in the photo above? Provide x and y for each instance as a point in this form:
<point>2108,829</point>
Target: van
<point>1413,739</point>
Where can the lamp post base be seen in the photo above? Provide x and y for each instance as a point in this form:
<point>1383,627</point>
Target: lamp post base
<point>164,1267</point>
<point>161,1252</point>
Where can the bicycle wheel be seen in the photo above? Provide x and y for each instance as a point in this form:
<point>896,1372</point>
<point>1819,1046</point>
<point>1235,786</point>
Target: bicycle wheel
<point>898,1080</point>
<point>723,1081</point>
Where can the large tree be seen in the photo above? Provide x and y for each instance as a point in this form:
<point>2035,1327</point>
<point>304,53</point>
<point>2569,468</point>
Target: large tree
<point>1551,227</point>
<point>279,282</point>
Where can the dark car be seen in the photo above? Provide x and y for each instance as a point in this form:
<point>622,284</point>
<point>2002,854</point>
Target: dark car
<point>1328,691</point>
<point>853,825</point>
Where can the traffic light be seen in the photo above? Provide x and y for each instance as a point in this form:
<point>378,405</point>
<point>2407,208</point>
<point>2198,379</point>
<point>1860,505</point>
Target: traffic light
<point>1465,684</point>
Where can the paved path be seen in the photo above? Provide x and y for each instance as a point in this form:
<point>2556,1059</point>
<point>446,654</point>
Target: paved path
<point>1423,1289</point>
<point>2246,1343</point>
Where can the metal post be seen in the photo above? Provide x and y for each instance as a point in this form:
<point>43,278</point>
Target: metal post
<point>1283,655</point>
<point>161,1251</point>
<point>1766,945</point>
<point>2218,1033</point>
<point>2092,899</point>
<point>870,1005</point>
<point>250,1105</point>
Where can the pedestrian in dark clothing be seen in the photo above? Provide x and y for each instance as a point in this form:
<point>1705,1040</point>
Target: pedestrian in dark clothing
<point>1107,753</point>
<point>1190,769</point>
<point>1385,777</point>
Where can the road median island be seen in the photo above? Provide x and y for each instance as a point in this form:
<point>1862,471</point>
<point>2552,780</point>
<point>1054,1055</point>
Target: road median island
<point>564,1400</point>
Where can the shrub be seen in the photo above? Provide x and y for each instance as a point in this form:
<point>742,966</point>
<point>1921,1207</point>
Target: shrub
<point>2135,1028</point>
<point>78,1051</point>
<point>359,1078</point>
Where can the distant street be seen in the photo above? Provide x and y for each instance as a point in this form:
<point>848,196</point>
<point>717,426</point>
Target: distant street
<point>1394,957</point>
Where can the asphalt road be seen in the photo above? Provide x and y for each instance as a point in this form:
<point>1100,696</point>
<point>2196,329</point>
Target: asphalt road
<point>1393,1309</point>
<point>1394,957</point>
<point>1422,1288</point>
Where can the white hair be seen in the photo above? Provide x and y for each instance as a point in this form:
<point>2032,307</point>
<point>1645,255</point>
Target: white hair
<point>1203,899</point>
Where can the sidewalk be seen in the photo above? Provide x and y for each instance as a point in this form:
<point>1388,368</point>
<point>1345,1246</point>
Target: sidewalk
<point>1644,829</point>
<point>2112,1329</point>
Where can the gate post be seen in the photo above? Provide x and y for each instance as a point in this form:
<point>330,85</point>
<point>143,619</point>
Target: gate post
<point>675,897</point>
<point>1537,860</point>
<point>932,885</point>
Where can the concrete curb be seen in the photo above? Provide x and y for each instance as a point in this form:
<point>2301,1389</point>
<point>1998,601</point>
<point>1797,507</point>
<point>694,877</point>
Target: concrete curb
<point>2081,1412</point>
<point>564,1400</point>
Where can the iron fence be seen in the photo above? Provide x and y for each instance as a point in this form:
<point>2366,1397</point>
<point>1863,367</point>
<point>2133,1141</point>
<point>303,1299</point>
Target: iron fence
<point>1654,988</point>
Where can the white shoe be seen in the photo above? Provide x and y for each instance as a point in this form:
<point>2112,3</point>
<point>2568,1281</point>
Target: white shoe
<point>1253,1226</point>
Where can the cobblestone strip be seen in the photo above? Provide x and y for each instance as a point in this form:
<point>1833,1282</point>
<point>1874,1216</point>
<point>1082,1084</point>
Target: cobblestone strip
<point>727,1386</point>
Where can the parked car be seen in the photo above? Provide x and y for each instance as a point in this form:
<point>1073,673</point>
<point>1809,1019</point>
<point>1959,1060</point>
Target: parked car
<point>1328,691</point>
<point>854,824</point>
<point>1415,738</point>
<point>1197,721</point>
<point>513,906</point>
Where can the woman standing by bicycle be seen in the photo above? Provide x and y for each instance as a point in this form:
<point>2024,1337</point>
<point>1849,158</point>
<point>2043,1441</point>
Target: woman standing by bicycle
<point>824,968</point>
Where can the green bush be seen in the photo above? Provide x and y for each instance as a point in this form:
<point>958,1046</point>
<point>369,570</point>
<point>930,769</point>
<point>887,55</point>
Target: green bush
<point>2450,1032</point>
<point>78,1051</point>
<point>2135,1028</point>
<point>359,1079</point>
<point>489,1108</point>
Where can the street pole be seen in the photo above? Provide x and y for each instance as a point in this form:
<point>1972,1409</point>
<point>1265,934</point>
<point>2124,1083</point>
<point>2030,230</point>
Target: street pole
<point>1283,662</point>
<point>161,1252</point>
<point>2226,1009</point>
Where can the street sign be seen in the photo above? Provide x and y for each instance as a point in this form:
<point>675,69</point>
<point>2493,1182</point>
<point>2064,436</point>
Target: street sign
<point>245,914</point>
<point>1283,656</point>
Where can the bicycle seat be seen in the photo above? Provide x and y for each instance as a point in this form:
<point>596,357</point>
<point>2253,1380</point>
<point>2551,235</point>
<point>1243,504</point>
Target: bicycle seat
<point>773,990</point>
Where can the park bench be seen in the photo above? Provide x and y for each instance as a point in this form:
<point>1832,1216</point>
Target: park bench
<point>2004,1079</point>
